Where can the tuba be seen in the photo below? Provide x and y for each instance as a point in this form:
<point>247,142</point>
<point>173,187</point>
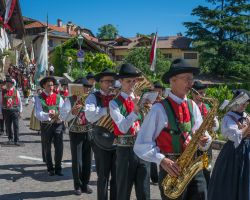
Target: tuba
<point>174,186</point>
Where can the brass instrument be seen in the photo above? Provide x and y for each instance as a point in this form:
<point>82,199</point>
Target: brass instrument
<point>80,99</point>
<point>106,121</point>
<point>143,83</point>
<point>174,186</point>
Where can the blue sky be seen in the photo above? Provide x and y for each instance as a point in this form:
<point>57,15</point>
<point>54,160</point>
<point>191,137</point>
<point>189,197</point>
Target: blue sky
<point>129,16</point>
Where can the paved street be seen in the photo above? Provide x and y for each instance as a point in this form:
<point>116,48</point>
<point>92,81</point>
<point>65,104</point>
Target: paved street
<point>23,174</point>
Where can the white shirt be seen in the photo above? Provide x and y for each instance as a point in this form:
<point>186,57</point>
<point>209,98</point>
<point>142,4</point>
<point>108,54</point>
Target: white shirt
<point>145,146</point>
<point>39,113</point>
<point>93,112</point>
<point>19,100</point>
<point>230,129</point>
<point>123,123</point>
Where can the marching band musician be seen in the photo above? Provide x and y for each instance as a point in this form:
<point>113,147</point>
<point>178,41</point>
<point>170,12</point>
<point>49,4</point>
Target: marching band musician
<point>11,106</point>
<point>73,112</point>
<point>231,178</point>
<point>65,91</point>
<point>124,111</point>
<point>168,127</point>
<point>47,107</point>
<point>105,156</point>
<point>25,88</point>
<point>204,109</point>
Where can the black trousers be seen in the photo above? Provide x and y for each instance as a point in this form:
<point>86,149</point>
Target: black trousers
<point>12,118</point>
<point>43,147</point>
<point>53,133</point>
<point>105,167</point>
<point>81,158</point>
<point>130,169</point>
<point>196,189</point>
<point>153,173</point>
<point>2,123</point>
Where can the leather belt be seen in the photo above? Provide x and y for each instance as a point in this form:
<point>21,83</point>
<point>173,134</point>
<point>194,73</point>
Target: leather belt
<point>81,128</point>
<point>125,140</point>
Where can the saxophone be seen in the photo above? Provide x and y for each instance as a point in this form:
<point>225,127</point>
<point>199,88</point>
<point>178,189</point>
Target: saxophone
<point>174,186</point>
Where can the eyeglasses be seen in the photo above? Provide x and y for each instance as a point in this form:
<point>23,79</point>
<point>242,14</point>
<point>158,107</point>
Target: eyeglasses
<point>186,79</point>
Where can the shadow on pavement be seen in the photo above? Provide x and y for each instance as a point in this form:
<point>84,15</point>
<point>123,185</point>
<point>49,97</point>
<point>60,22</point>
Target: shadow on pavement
<point>24,170</point>
<point>35,195</point>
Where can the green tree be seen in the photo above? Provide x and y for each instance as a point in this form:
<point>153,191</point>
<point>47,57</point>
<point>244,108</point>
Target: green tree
<point>221,35</point>
<point>66,54</point>
<point>108,31</point>
<point>139,57</point>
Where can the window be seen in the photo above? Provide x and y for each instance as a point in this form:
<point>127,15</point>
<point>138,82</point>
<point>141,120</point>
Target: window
<point>190,55</point>
<point>167,55</point>
<point>119,57</point>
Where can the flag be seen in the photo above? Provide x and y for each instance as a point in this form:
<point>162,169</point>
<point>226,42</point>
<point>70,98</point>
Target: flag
<point>26,55</point>
<point>10,6</point>
<point>17,57</point>
<point>153,53</point>
<point>32,56</point>
<point>42,63</point>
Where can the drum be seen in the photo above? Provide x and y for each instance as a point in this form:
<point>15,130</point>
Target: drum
<point>103,138</point>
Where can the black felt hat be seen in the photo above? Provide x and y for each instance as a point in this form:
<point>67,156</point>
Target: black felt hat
<point>90,75</point>
<point>157,84</point>
<point>179,66</point>
<point>64,82</point>
<point>105,72</point>
<point>199,85</point>
<point>9,80</point>
<point>1,81</point>
<point>83,81</point>
<point>128,70</point>
<point>46,79</point>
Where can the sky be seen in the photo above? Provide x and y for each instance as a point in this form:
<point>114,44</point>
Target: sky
<point>129,16</point>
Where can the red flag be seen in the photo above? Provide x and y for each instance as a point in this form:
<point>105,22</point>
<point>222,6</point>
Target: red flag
<point>153,53</point>
<point>10,6</point>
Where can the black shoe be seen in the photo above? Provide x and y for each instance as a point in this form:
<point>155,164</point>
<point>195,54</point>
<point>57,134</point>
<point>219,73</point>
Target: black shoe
<point>59,173</point>
<point>17,143</point>
<point>51,173</point>
<point>10,142</point>
<point>77,192</point>
<point>87,189</point>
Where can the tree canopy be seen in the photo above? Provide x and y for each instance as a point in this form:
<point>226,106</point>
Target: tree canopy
<point>108,31</point>
<point>221,35</point>
<point>139,57</point>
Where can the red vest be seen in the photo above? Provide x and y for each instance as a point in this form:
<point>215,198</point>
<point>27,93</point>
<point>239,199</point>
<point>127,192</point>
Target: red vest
<point>50,102</point>
<point>25,82</point>
<point>126,107</point>
<point>175,137</point>
<point>10,98</point>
